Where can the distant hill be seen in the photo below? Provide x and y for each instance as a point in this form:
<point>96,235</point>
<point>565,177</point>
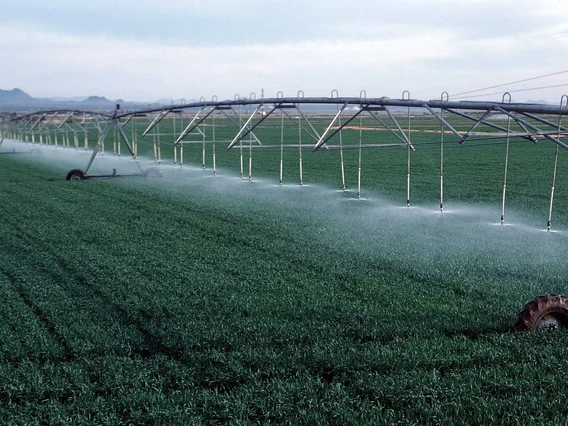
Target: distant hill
<point>16,100</point>
<point>96,100</point>
<point>14,95</point>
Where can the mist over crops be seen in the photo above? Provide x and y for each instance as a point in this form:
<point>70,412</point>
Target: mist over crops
<point>465,237</point>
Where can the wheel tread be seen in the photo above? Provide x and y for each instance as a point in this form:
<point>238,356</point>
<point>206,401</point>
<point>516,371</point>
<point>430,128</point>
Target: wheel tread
<point>533,311</point>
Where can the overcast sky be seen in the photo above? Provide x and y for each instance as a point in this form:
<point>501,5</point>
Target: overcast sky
<point>143,50</point>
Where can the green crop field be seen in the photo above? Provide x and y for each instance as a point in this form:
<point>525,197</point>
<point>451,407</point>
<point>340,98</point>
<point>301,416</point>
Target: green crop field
<point>196,299</point>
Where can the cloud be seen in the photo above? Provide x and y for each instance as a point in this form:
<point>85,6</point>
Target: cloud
<point>131,69</point>
<point>154,49</point>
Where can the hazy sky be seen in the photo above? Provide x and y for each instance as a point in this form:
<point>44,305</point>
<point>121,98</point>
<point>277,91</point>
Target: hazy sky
<point>143,50</point>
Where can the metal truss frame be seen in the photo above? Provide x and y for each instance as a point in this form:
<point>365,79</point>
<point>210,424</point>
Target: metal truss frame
<point>532,122</point>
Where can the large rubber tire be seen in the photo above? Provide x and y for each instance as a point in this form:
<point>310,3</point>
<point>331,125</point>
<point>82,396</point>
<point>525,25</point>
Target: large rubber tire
<point>153,172</point>
<point>549,312</point>
<point>76,174</point>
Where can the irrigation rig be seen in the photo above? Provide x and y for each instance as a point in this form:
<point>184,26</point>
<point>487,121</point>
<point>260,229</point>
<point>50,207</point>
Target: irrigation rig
<point>321,124</point>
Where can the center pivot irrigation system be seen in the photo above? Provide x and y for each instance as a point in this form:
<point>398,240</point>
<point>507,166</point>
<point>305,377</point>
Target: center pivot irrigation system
<point>327,123</point>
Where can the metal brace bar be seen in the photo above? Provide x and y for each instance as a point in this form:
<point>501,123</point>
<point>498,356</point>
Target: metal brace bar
<point>239,124</point>
<point>243,135</point>
<point>477,123</point>
<point>24,123</point>
<point>48,123</point>
<point>99,144</point>
<point>301,125</point>
<point>353,117</point>
<point>184,114</point>
<point>487,123</point>
<point>309,124</point>
<point>64,121</point>
<point>80,124</point>
<point>74,130</point>
<point>326,131</point>
<point>403,138</point>
<point>120,126</point>
<point>243,128</point>
<point>544,121</point>
<point>36,123</point>
<point>523,124</point>
<point>128,120</point>
<point>519,120</point>
<point>445,123</point>
<point>529,134</point>
<point>192,125</point>
<point>406,140</point>
<point>155,121</point>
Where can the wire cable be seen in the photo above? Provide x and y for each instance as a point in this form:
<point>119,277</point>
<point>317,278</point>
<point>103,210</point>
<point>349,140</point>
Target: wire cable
<point>512,82</point>
<point>512,91</point>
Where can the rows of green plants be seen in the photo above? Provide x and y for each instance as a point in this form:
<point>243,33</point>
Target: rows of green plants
<point>196,300</point>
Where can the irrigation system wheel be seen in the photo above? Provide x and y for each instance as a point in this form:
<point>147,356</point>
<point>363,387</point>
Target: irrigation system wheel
<point>548,312</point>
<point>76,174</point>
<point>153,172</point>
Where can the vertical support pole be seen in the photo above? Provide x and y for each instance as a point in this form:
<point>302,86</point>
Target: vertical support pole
<point>341,154</point>
<point>563,102</point>
<point>181,144</point>
<point>214,99</point>
<point>203,150</point>
<point>407,94</point>
<point>114,140</point>
<point>335,93</point>
<point>250,158</point>
<point>202,99</point>
<point>300,139</point>
<point>54,136</point>
<point>86,141</point>
<point>135,140</point>
<point>444,97</point>
<point>359,157</point>
<point>362,95</point>
<point>281,95</point>
<point>237,97</point>
<point>159,145</point>
<point>155,146</point>
<point>506,160</point>
<point>118,142</point>
<point>252,96</point>
<point>173,134</point>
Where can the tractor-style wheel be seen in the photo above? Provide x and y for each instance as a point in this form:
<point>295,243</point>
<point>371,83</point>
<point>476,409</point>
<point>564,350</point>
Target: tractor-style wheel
<point>153,172</point>
<point>76,174</point>
<point>548,312</point>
